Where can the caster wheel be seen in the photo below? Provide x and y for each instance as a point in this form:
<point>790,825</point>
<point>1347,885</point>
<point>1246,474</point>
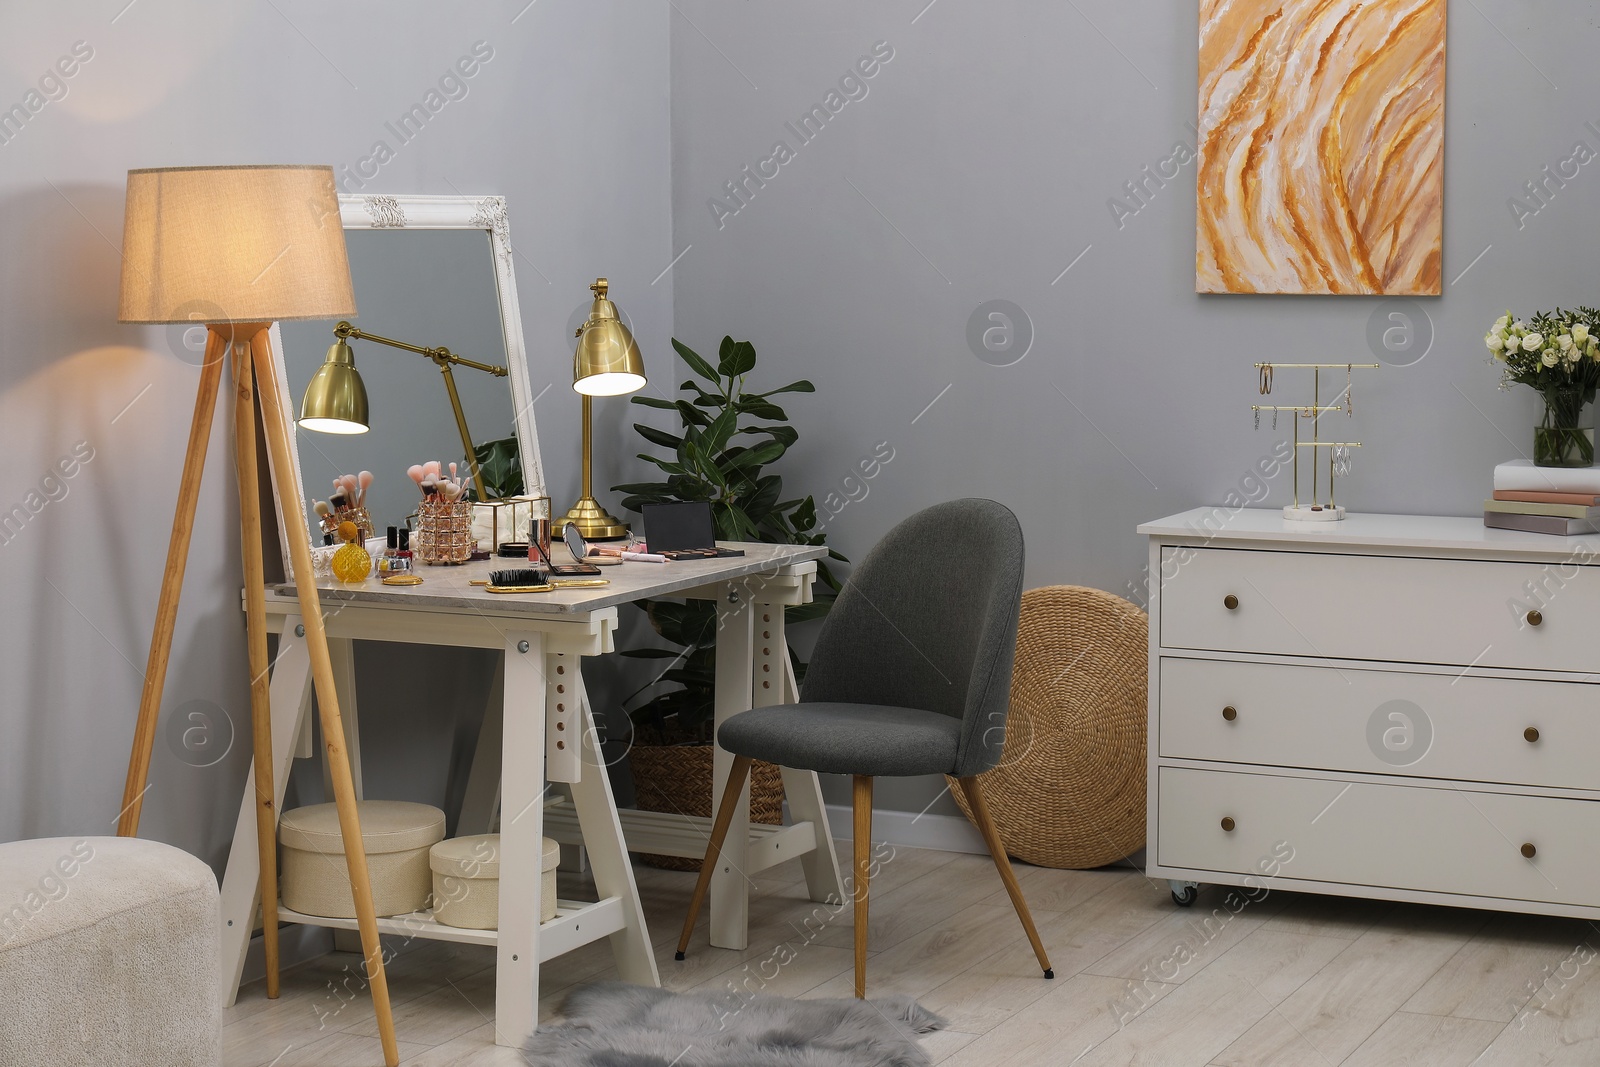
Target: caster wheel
<point>1184,894</point>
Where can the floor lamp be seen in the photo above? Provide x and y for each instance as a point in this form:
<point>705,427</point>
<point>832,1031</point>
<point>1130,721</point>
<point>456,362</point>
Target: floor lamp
<point>238,248</point>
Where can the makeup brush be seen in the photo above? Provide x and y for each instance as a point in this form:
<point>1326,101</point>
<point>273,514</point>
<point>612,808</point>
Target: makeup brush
<point>351,489</point>
<point>451,491</point>
<point>453,476</point>
<point>414,472</point>
<point>430,488</point>
<point>364,480</point>
<point>431,467</point>
<point>322,509</point>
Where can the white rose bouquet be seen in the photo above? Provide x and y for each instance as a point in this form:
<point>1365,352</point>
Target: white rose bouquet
<point>1557,353</point>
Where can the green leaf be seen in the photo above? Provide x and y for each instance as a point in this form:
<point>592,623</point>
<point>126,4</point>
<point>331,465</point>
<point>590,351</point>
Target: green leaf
<point>738,358</point>
<point>805,516</point>
<point>658,437</point>
<point>756,456</point>
<point>500,465</point>
<point>802,386</point>
<point>665,464</point>
<point>787,434</point>
<point>653,402</point>
<point>766,494</point>
<point>761,409</point>
<point>720,430</point>
<point>691,415</point>
<point>696,364</point>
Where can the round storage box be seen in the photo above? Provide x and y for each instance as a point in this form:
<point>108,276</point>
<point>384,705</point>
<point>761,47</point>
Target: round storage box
<point>466,881</point>
<point>397,836</point>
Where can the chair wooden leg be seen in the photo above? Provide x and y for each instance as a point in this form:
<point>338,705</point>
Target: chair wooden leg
<point>997,849</point>
<point>861,801</point>
<point>719,830</point>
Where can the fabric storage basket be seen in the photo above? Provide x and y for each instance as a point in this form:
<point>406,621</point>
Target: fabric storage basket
<point>466,881</point>
<point>397,836</point>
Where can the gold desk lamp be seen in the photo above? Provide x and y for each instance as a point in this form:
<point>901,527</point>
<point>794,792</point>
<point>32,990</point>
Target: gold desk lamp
<point>336,397</point>
<point>606,363</point>
<point>238,248</point>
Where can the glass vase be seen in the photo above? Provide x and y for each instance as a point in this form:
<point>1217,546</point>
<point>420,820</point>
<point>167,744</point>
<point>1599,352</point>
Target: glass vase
<point>1565,434</point>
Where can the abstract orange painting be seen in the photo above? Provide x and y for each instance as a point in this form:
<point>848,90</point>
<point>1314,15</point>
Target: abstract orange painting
<point>1321,149</point>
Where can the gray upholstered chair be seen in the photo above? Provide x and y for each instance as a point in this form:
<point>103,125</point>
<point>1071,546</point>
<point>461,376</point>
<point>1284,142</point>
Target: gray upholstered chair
<point>911,675</point>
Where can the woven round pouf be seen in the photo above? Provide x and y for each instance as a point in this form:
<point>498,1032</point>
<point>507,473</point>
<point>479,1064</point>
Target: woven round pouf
<point>1069,790</point>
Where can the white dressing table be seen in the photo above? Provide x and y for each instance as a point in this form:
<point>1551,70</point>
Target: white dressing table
<point>543,720</point>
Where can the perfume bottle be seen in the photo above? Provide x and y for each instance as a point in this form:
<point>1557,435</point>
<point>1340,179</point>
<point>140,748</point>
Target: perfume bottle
<point>352,563</point>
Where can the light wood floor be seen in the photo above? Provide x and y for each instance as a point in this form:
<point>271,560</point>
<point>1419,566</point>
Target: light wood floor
<point>1294,979</point>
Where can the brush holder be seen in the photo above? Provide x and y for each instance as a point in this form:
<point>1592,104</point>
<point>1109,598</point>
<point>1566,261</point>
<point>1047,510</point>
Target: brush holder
<point>444,532</point>
<point>357,515</point>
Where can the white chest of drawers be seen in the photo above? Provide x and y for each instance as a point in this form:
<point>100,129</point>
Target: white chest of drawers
<point>1401,707</point>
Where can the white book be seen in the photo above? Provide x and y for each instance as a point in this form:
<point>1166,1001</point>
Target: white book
<point>1523,476</point>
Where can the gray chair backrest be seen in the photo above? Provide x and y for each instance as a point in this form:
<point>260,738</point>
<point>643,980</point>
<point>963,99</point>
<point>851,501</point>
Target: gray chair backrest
<point>929,621</point>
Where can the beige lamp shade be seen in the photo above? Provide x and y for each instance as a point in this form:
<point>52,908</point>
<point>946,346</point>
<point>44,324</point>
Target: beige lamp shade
<point>233,244</point>
<point>607,361</point>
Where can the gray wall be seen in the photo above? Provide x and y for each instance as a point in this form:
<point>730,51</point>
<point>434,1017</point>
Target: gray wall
<point>980,164</point>
<point>569,120</point>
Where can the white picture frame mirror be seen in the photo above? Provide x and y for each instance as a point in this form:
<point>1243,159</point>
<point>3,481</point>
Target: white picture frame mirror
<point>486,214</point>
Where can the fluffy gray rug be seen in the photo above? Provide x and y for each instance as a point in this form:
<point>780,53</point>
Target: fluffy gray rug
<point>612,1024</point>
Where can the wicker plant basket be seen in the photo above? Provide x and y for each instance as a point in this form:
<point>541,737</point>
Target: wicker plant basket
<point>677,778</point>
<point>1069,790</point>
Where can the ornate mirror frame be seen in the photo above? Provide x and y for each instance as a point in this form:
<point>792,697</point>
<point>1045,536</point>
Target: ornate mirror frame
<point>423,212</point>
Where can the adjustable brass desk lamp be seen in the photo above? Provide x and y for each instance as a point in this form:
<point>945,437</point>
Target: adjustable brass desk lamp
<point>336,398</point>
<point>607,363</point>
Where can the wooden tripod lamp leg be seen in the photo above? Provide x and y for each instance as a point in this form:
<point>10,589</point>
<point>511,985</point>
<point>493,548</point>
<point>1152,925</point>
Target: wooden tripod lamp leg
<point>286,482</point>
<point>155,672</point>
<point>255,605</point>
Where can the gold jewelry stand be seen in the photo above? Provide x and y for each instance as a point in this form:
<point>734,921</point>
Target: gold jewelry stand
<point>249,344</point>
<point>1316,511</point>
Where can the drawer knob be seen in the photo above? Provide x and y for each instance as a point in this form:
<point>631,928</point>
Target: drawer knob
<point>1528,851</point>
<point>1230,602</point>
<point>1535,617</point>
<point>1531,734</point>
<point>1230,713</point>
<point>1228,824</point>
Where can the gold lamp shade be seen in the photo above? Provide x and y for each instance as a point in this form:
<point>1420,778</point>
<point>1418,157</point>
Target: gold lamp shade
<point>336,398</point>
<point>233,244</point>
<point>607,361</point>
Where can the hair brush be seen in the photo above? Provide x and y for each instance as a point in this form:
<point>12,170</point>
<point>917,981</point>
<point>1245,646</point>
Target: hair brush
<point>531,580</point>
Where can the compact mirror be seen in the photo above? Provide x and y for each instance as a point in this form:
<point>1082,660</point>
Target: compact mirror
<point>575,543</point>
<point>429,273</point>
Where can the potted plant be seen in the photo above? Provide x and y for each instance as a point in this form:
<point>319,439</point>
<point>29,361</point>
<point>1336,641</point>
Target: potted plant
<point>728,437</point>
<point>1557,353</point>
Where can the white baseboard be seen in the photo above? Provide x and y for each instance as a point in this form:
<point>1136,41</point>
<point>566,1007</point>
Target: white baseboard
<point>942,833</point>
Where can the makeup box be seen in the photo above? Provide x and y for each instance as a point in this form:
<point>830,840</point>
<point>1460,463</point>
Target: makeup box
<point>397,836</point>
<point>466,881</point>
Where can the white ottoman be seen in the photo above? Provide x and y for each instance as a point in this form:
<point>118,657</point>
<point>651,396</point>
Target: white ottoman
<point>108,955</point>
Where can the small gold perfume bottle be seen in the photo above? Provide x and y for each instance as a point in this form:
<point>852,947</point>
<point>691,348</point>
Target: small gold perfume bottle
<point>352,563</point>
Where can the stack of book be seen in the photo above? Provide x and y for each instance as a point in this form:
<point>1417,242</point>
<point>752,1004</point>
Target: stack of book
<point>1548,500</point>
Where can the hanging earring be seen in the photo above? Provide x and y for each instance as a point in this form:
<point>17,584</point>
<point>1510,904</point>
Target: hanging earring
<point>1274,419</point>
<point>1349,392</point>
<point>1258,418</point>
<point>1341,460</point>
